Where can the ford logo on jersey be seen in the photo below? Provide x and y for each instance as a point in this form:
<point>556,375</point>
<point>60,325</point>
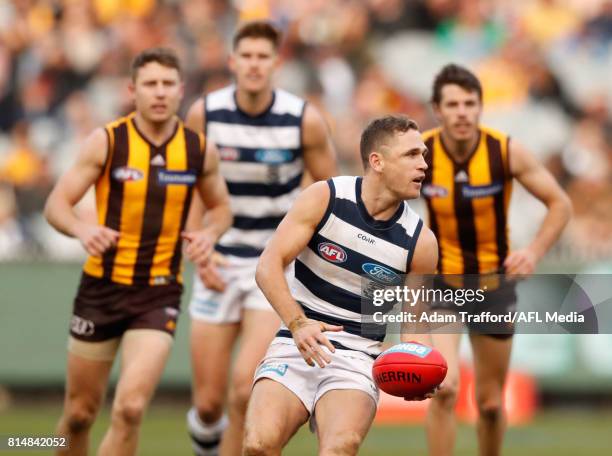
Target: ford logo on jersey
<point>332,252</point>
<point>127,174</point>
<point>273,156</point>
<point>380,273</point>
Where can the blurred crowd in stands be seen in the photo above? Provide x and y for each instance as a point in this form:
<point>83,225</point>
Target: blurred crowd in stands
<point>546,68</point>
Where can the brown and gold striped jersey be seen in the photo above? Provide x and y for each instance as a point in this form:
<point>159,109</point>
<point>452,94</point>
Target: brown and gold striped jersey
<point>468,203</point>
<point>144,192</point>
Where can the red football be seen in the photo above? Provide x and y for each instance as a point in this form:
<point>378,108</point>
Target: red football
<point>409,370</point>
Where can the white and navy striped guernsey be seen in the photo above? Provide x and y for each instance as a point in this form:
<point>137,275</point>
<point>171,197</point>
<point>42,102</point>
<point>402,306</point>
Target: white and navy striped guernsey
<point>349,244</point>
<point>261,161</point>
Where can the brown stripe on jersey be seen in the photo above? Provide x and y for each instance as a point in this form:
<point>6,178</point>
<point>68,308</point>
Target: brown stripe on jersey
<point>433,221</point>
<point>115,197</point>
<point>498,176</point>
<point>195,160</point>
<point>464,212</point>
<point>152,219</point>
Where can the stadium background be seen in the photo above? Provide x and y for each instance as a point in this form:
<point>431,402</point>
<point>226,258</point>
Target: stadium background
<point>546,68</point>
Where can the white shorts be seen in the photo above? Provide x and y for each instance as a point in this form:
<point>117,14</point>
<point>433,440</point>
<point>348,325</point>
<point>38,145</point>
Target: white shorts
<point>241,292</point>
<point>349,369</point>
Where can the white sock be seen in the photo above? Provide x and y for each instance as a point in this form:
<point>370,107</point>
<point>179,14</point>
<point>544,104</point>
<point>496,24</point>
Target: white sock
<point>205,437</point>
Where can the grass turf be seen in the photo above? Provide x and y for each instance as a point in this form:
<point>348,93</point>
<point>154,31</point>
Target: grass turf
<point>559,433</point>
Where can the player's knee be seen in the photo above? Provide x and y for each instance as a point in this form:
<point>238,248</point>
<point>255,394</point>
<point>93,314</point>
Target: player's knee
<point>490,410</point>
<point>255,444</point>
<point>130,411</point>
<point>80,418</point>
<point>447,395</point>
<point>344,444</point>
<point>209,407</point>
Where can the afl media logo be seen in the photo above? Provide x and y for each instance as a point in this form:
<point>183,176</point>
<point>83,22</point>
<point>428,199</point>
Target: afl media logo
<point>332,252</point>
<point>127,174</point>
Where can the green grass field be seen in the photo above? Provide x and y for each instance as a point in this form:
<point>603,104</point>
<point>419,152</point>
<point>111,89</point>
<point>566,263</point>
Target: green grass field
<point>556,433</point>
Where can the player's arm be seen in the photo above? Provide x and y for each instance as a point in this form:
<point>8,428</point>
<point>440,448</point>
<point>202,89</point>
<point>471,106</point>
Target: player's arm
<point>540,183</point>
<point>319,154</point>
<point>70,188</point>
<point>291,237</point>
<point>195,121</point>
<point>424,262</point>
<point>218,215</point>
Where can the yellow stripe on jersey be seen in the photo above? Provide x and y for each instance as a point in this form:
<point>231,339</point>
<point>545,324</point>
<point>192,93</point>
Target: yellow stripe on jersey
<point>175,196</point>
<point>132,208</point>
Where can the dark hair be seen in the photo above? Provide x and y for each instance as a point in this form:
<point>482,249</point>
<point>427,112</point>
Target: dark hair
<point>164,56</point>
<point>455,74</point>
<point>258,29</point>
<point>379,130</point>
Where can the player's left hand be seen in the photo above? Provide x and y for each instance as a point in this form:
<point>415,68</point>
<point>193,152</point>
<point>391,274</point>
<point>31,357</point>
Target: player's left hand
<point>309,339</point>
<point>520,263</point>
<point>200,246</point>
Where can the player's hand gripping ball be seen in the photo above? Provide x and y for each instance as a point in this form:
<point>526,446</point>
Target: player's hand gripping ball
<point>409,370</point>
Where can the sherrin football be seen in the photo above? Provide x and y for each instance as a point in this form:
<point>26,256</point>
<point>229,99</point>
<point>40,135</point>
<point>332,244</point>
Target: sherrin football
<point>409,370</point>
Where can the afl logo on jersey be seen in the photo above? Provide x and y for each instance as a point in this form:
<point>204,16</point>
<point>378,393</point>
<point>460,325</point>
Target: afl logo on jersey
<point>332,252</point>
<point>229,154</point>
<point>127,174</point>
<point>434,191</point>
<point>380,273</point>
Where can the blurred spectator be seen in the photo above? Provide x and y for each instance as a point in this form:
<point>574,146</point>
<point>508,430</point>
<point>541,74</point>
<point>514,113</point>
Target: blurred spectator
<point>545,21</point>
<point>64,67</point>
<point>25,170</point>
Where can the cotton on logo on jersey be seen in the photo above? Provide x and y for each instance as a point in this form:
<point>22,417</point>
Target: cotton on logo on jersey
<point>127,174</point>
<point>332,252</point>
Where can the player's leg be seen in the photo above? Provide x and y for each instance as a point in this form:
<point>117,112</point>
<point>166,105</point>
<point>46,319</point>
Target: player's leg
<point>257,331</point>
<point>441,421</point>
<point>211,350</point>
<point>89,365</point>
<point>491,361</point>
<point>144,355</point>
<point>274,415</point>
<point>343,418</point>
<point>215,323</point>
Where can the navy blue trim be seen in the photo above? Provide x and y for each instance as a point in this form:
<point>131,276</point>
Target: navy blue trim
<point>270,190</point>
<point>206,444</point>
<point>302,125</point>
<point>330,207</point>
<point>267,119</point>
<point>205,119</point>
<point>347,210</point>
<point>354,259</point>
<point>256,223</point>
<point>367,218</point>
<point>259,114</point>
<point>413,243</point>
<point>243,251</point>
<point>287,334</point>
<point>327,291</point>
<point>374,331</point>
<point>255,155</point>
